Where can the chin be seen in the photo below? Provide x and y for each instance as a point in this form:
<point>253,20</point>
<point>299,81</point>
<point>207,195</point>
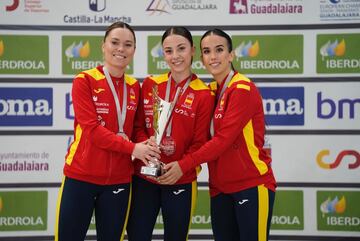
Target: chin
<point>178,69</point>
<point>214,71</point>
<point>122,64</point>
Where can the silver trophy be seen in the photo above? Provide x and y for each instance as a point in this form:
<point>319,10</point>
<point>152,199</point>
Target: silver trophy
<point>161,115</point>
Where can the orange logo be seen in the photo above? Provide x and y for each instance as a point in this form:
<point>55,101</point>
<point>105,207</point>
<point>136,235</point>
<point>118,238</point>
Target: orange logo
<point>97,91</point>
<point>326,165</point>
<point>1,48</point>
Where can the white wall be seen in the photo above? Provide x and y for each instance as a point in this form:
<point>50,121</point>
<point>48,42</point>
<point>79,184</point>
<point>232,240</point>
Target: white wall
<point>312,130</point>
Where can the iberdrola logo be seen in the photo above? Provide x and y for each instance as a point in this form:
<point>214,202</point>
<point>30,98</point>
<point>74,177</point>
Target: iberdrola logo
<point>78,50</point>
<point>1,48</point>
<point>333,206</point>
<point>157,52</point>
<point>331,49</point>
<point>248,49</point>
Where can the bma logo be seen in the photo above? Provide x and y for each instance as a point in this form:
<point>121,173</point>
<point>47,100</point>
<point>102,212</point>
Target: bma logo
<point>13,6</point>
<point>283,105</point>
<point>97,5</point>
<point>328,108</point>
<point>238,6</point>
<point>26,106</point>
<point>354,156</point>
<point>69,110</point>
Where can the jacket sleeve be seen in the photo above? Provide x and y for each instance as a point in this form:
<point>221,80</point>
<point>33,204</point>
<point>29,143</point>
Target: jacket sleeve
<point>86,116</point>
<point>239,110</point>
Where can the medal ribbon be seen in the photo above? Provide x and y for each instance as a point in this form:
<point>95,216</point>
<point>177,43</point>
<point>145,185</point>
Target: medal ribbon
<point>224,87</point>
<point>178,94</point>
<point>121,114</point>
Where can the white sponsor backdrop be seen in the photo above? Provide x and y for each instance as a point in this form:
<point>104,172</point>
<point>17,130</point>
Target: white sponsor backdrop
<point>294,154</point>
<point>295,158</point>
<point>199,12</point>
<point>43,157</point>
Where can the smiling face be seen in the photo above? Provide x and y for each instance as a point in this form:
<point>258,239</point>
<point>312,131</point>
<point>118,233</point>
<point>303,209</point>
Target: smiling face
<point>216,56</point>
<point>178,54</point>
<point>118,49</point>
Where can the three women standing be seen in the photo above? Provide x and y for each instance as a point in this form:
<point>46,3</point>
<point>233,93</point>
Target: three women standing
<point>98,166</point>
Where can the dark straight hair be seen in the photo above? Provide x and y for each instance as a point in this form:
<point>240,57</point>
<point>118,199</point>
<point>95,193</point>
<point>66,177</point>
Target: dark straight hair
<point>119,24</point>
<point>178,30</point>
<point>220,33</point>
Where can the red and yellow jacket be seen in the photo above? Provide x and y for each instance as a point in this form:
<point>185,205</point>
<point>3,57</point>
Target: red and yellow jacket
<point>97,155</point>
<point>235,155</point>
<point>190,118</point>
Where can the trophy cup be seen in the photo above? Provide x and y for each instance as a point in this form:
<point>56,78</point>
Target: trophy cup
<point>161,115</point>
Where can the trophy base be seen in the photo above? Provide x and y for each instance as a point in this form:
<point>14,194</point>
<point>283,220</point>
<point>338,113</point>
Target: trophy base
<point>151,171</point>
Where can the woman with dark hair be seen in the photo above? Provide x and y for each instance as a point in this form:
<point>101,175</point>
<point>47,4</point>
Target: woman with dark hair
<point>187,130</point>
<point>241,181</point>
<point>98,166</point>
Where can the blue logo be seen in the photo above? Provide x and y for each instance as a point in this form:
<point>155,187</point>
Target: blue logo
<point>26,106</point>
<point>97,5</point>
<point>69,111</point>
<point>69,141</point>
<point>328,108</point>
<point>283,105</point>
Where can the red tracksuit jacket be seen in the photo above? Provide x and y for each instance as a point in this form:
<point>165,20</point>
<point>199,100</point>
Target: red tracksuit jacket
<point>237,160</point>
<point>190,118</point>
<point>97,155</point>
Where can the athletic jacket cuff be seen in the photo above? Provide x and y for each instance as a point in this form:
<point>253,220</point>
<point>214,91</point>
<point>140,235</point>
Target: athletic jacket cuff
<point>186,164</point>
<point>129,147</point>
